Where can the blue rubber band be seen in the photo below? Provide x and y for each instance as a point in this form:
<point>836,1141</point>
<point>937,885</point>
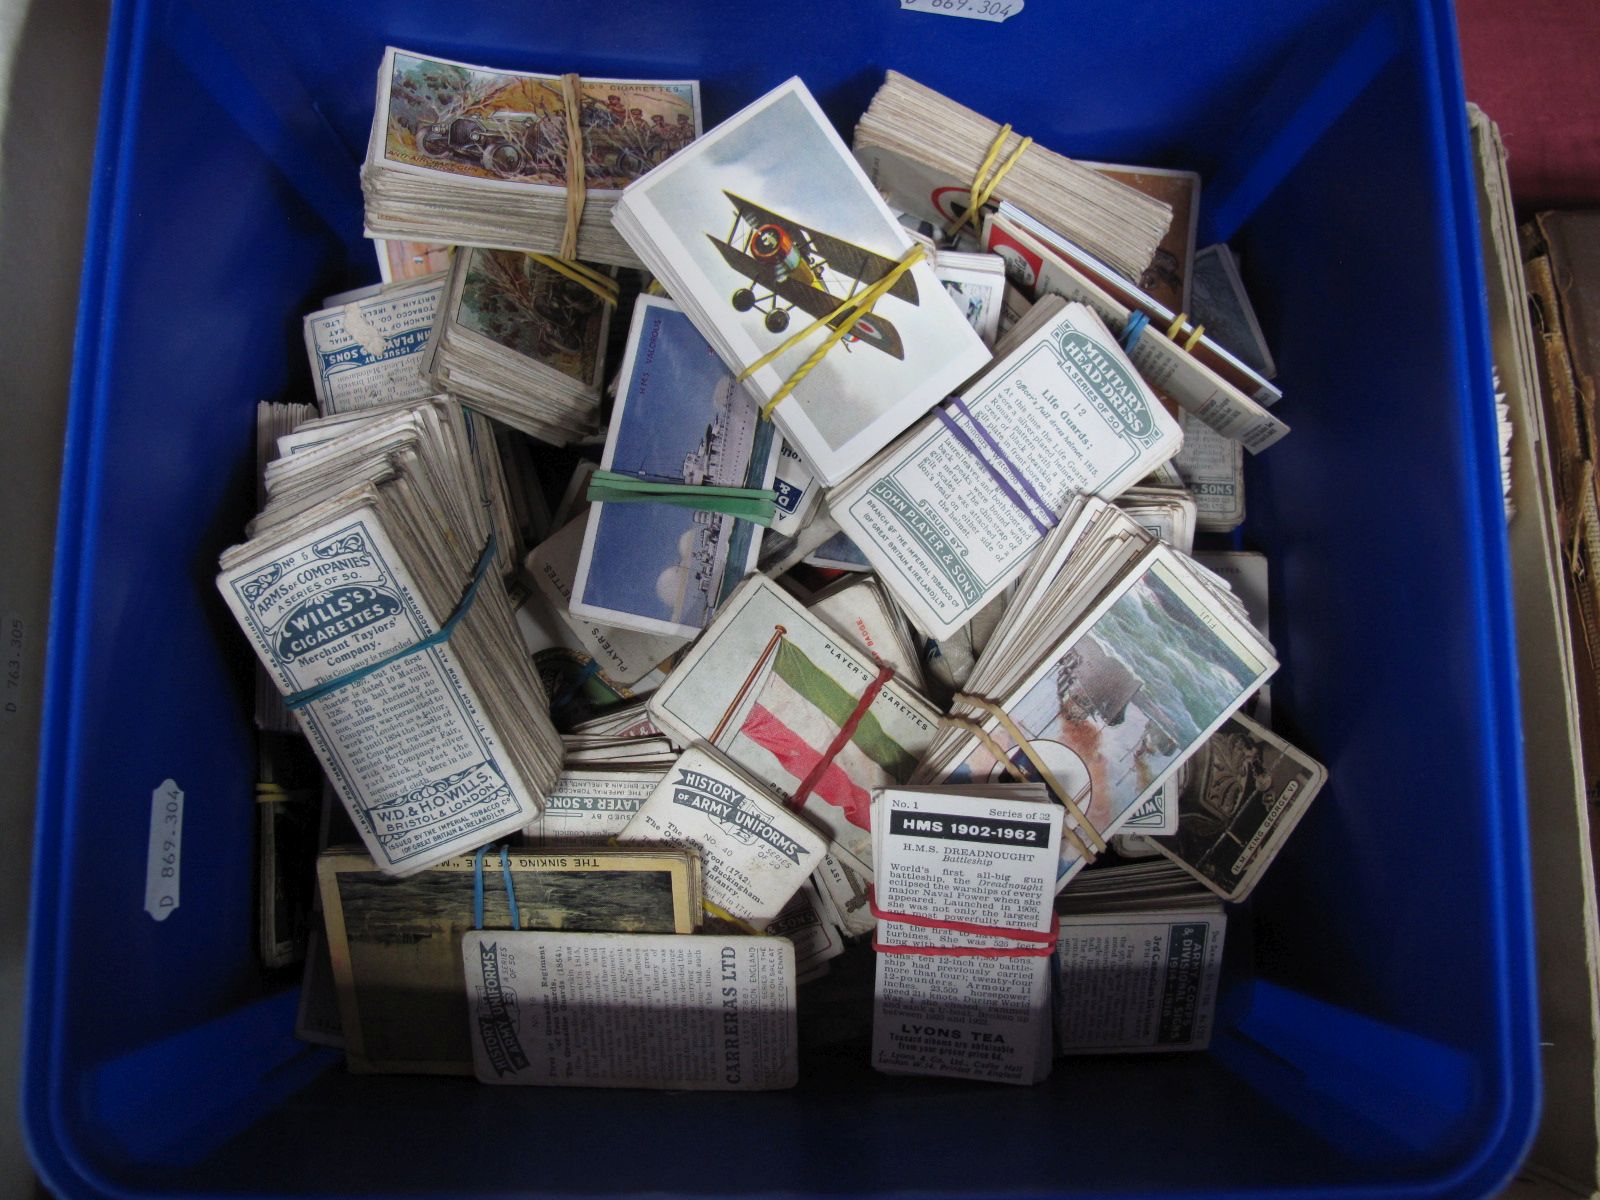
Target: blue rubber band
<point>1010,492</point>
<point>511,891</point>
<point>328,686</point>
<point>1134,329</point>
<point>477,887</point>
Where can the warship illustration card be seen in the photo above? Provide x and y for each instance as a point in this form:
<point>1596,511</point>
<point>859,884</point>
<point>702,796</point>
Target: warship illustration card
<point>680,417</point>
<point>395,943</point>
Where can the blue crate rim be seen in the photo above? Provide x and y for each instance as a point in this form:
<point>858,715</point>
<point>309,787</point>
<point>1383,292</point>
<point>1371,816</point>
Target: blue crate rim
<point>43,1117</point>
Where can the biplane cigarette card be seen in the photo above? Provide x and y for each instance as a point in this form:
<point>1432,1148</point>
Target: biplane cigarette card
<point>630,1010</point>
<point>772,223</point>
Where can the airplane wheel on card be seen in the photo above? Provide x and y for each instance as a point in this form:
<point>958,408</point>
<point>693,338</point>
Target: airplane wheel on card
<point>744,300</point>
<point>777,321</point>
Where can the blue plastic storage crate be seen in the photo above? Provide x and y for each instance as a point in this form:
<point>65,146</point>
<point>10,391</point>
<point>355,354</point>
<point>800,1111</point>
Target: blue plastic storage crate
<point>1378,1037</point>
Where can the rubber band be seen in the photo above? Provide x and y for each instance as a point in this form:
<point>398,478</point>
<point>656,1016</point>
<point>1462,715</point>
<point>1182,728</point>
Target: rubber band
<point>751,504</point>
<point>276,793</point>
<point>979,193</point>
<point>577,187</point>
<point>856,306</point>
<point>1066,798</point>
<point>655,288</point>
<point>842,738</point>
<point>1044,950</point>
<point>1021,935</point>
<point>1011,493</point>
<point>1199,332</point>
<point>1138,322</point>
<point>1178,323</point>
<point>1038,950</point>
<point>300,699</point>
<point>477,887</point>
<point>600,285</point>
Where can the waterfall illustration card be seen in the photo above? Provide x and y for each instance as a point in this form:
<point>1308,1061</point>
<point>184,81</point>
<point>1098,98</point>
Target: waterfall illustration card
<point>394,943</point>
<point>680,417</point>
<point>631,1010</point>
<point>755,852</point>
<point>767,223</point>
<point>1124,698</point>
<point>772,686</point>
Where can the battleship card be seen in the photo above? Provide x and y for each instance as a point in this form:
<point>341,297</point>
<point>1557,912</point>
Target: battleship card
<point>1247,790</point>
<point>976,860</point>
<point>631,1010</point>
<point>755,852</point>
<point>680,417</point>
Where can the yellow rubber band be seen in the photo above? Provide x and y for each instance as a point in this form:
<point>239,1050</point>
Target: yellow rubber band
<point>1199,331</point>
<point>655,288</point>
<point>1177,324</point>
<point>1068,800</point>
<point>602,286</point>
<point>577,186</point>
<point>980,192</point>
<point>861,306</point>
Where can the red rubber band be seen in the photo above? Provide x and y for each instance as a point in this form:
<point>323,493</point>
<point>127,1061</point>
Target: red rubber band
<point>966,951</point>
<point>842,738</point>
<point>1022,935</point>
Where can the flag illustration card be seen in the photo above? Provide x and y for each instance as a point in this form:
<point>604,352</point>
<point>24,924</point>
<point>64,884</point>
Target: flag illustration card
<point>1115,662</point>
<point>798,706</point>
<point>950,515</point>
<point>680,417</point>
<point>394,943</point>
<point>755,852</point>
<point>860,608</point>
<point>1247,790</point>
<point>632,1010</point>
<point>766,222</point>
<point>368,350</point>
<point>477,156</point>
<point>521,341</point>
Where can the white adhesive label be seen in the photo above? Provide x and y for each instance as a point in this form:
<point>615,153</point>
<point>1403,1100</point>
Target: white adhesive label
<point>165,855</point>
<point>976,10</point>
